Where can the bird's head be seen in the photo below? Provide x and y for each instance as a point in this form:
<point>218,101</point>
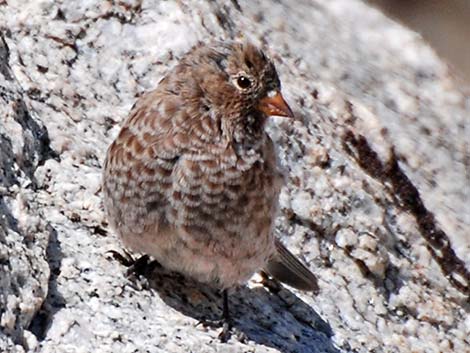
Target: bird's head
<point>236,80</point>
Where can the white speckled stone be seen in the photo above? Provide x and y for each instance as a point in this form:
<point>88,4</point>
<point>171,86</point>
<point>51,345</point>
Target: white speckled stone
<point>70,74</point>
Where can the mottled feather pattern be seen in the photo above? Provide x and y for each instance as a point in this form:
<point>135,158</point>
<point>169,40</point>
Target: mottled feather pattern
<point>191,178</point>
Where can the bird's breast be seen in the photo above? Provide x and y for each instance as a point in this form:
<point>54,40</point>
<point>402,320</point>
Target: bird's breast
<point>223,196</point>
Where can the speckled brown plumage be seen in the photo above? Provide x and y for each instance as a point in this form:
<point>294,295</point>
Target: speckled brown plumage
<point>191,178</point>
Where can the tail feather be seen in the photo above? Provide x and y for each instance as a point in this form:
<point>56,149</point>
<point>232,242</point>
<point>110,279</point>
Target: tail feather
<point>287,268</point>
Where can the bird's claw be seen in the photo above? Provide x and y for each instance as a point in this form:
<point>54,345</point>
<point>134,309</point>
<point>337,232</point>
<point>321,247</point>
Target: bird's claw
<point>226,326</point>
<point>226,332</point>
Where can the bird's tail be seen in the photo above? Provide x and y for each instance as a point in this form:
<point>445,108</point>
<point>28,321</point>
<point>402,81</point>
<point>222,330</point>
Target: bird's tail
<point>287,268</point>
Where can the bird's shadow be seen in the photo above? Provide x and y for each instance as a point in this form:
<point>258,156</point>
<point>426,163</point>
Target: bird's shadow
<point>273,317</point>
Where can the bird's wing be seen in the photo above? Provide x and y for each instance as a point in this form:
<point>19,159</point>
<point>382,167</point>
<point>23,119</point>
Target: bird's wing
<point>139,163</point>
<point>287,268</point>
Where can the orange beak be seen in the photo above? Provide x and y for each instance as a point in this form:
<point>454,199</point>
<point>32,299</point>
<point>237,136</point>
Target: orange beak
<point>274,104</point>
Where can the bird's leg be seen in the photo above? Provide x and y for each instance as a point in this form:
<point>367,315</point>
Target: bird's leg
<point>226,313</point>
<point>225,322</point>
<point>226,319</point>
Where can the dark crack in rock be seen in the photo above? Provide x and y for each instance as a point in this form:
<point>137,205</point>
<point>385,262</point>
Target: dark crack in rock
<point>375,201</point>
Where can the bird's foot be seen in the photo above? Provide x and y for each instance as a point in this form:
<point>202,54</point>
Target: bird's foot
<point>138,273</point>
<point>138,269</point>
<point>225,324</point>
<point>123,258</point>
<point>135,266</point>
<point>226,333</point>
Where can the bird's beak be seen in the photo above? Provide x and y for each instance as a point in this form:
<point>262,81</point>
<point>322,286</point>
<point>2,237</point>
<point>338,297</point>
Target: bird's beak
<point>274,104</point>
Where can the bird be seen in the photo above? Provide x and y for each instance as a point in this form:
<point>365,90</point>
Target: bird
<point>191,178</point>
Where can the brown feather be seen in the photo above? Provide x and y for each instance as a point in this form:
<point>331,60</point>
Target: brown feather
<point>287,268</point>
<point>191,179</point>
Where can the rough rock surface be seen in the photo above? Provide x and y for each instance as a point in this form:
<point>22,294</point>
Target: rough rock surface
<point>377,181</point>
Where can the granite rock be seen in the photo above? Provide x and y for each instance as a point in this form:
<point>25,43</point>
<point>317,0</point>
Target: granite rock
<point>375,201</point>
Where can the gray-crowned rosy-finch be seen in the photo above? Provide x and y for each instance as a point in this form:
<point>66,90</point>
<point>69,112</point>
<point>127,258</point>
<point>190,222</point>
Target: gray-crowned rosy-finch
<point>191,178</point>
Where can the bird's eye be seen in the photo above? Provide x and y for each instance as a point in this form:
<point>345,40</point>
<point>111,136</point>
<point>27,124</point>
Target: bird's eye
<point>243,82</point>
